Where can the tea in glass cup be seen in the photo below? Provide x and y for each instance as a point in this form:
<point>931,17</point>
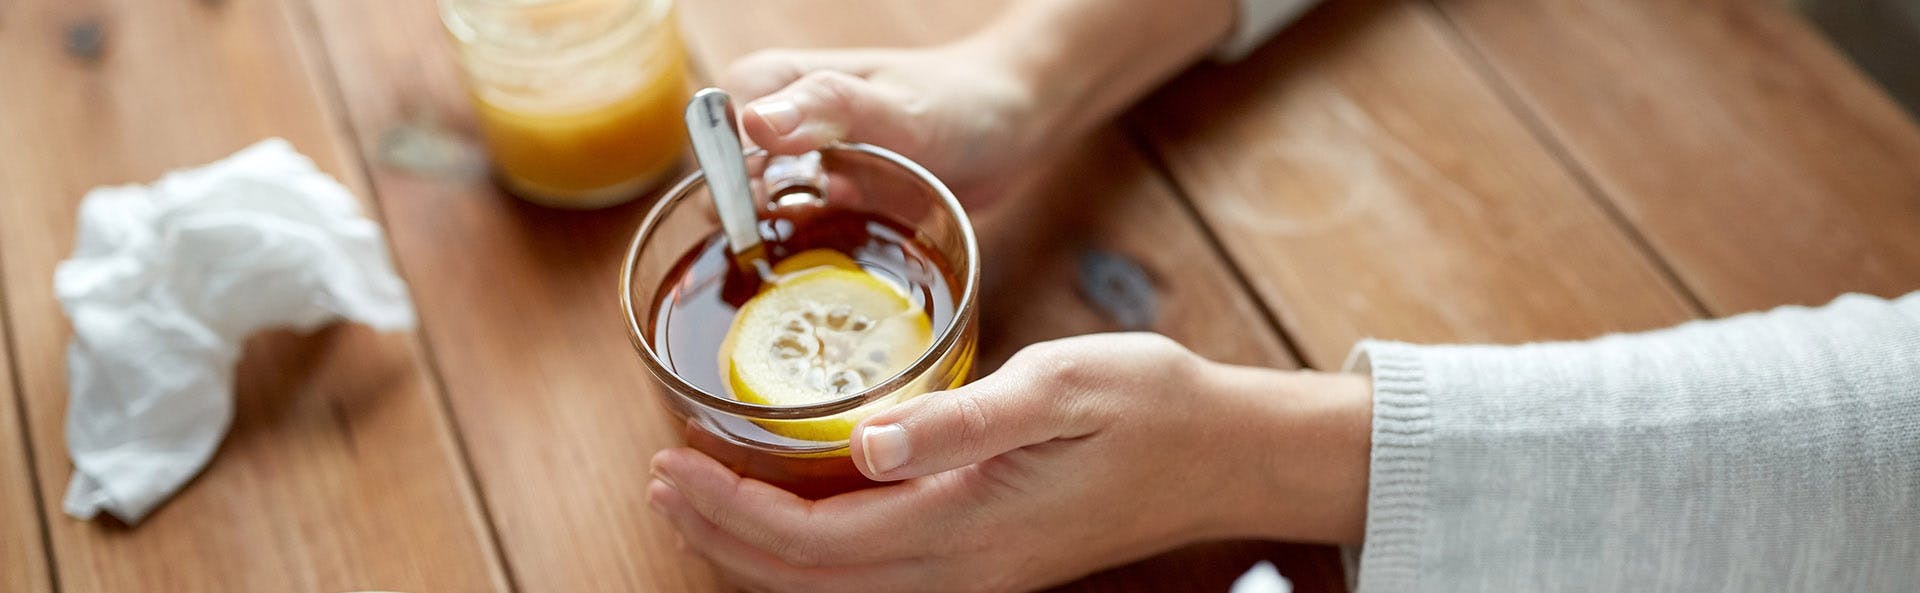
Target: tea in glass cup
<point>860,296</point>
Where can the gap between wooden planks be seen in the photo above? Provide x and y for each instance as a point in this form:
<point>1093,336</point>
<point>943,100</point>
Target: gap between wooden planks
<point>1753,156</point>
<point>24,563</point>
<point>338,473</point>
<point>1371,183</point>
<point>519,303</point>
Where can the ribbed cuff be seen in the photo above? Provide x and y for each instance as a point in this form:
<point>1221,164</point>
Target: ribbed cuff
<point>1397,479</point>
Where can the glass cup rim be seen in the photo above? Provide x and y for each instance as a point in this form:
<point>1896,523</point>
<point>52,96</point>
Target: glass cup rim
<point>948,339</point>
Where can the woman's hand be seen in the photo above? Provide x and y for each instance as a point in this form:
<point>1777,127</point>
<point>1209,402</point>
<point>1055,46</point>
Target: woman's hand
<point>980,111</point>
<point>1078,454</point>
<point>967,117</point>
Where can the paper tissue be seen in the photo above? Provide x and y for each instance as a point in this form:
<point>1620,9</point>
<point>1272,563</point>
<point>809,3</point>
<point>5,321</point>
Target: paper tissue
<point>166,283</point>
<point>1262,578</point>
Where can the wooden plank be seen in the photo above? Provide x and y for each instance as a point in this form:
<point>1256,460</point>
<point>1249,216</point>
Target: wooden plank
<point>340,472</point>
<point>519,309</point>
<point>1045,239</point>
<point>23,555</point>
<point>1371,184</point>
<point>1758,162</point>
<point>522,318</point>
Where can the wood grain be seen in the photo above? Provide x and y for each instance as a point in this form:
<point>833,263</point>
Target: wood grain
<point>1037,247</point>
<point>1371,184</point>
<point>23,555</point>
<point>519,303</point>
<point>519,307</point>
<point>339,473</point>
<point>1752,155</point>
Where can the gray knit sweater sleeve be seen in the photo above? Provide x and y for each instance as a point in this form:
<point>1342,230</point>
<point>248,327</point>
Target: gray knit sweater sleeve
<point>1777,451</point>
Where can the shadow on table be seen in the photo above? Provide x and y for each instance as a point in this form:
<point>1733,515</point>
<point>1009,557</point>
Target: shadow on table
<point>292,388</point>
<point>295,390</point>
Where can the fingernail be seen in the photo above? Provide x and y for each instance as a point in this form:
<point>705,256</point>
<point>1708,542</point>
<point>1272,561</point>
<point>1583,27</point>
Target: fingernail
<point>653,502</point>
<point>660,474</point>
<point>885,447</point>
<point>782,116</point>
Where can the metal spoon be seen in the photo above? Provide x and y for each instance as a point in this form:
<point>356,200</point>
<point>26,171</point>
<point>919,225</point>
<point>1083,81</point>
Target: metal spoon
<point>716,143</point>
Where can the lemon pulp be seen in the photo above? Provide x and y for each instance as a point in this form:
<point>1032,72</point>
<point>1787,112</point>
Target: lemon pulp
<point>822,329</point>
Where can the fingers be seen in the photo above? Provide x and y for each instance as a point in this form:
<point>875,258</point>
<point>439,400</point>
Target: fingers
<point>823,106</point>
<point>766,71</point>
<point>864,527</point>
<point>751,566</point>
<point>1021,405</point>
<point>759,570</point>
<point>800,100</point>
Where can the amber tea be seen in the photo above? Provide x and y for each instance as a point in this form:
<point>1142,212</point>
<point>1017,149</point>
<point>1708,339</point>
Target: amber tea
<point>843,300</point>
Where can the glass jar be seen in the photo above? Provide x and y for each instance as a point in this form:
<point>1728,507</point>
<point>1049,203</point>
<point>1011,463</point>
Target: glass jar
<point>752,438</point>
<point>580,100</point>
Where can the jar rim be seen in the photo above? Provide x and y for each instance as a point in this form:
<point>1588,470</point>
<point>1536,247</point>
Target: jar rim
<point>643,13</point>
<point>949,338</point>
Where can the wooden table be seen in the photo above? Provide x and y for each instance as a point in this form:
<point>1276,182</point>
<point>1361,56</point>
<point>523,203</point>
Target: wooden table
<point>1431,170</point>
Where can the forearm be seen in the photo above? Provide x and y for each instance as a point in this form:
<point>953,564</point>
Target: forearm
<point>1086,60</point>
<point>1777,451</point>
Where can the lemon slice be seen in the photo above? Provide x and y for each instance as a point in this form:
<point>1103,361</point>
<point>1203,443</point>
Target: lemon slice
<point>815,258</point>
<point>824,330</point>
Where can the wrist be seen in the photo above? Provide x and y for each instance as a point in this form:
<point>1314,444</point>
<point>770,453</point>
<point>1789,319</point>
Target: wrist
<point>1039,68</point>
<point>1067,53</point>
<point>1300,443</point>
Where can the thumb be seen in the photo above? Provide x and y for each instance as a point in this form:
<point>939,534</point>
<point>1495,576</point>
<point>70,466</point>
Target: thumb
<point>824,106</point>
<point>951,429</point>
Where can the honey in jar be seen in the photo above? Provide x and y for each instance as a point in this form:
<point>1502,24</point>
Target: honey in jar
<point>579,100</point>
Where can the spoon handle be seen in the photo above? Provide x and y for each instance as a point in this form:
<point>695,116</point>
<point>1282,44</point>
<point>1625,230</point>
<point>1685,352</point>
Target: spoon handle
<point>716,143</point>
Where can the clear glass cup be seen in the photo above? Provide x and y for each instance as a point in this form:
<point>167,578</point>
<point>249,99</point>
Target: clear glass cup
<point>580,101</point>
<point>855,176</point>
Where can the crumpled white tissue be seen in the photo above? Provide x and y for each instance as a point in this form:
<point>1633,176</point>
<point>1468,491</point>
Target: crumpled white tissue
<point>1262,578</point>
<point>165,284</point>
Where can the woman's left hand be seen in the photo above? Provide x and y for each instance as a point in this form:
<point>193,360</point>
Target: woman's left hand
<point>1076,455</point>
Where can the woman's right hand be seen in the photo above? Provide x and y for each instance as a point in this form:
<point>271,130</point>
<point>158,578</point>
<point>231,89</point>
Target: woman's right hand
<point>956,109</point>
